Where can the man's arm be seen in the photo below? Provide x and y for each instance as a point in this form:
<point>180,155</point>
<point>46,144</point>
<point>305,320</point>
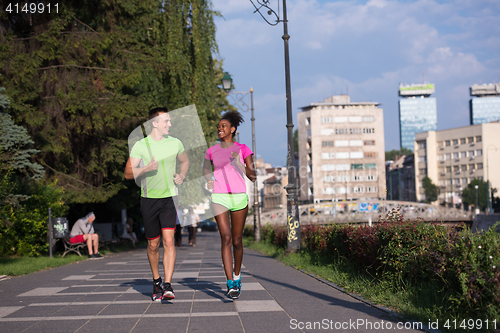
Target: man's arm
<point>184,167</point>
<point>133,171</point>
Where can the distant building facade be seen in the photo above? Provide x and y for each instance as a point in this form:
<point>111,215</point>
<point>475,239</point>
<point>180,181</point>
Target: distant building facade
<point>400,179</point>
<point>484,107</point>
<point>417,112</point>
<point>341,150</point>
<point>452,158</point>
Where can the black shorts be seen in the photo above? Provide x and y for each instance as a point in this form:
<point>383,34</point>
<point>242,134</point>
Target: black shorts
<point>158,214</point>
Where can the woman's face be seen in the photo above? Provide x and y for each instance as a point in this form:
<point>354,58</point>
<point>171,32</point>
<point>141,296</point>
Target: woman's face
<point>224,129</point>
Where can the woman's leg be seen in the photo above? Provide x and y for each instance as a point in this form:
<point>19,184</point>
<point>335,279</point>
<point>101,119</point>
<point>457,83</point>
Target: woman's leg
<point>222,217</point>
<point>238,219</point>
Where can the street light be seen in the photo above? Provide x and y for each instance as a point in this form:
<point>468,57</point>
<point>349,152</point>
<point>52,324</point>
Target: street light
<point>226,84</point>
<point>292,189</point>
<point>477,200</point>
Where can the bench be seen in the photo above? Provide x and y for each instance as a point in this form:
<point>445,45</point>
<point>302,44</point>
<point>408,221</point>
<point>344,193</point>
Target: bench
<point>72,247</point>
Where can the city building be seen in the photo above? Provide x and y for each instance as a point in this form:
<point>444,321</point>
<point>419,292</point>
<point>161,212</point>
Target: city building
<point>273,192</point>
<point>485,106</point>
<point>417,112</point>
<point>341,150</point>
<point>452,158</point>
<point>400,179</point>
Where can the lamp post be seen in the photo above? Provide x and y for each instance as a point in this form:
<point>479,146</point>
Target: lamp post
<point>226,84</point>
<point>477,200</point>
<point>490,207</point>
<point>292,189</point>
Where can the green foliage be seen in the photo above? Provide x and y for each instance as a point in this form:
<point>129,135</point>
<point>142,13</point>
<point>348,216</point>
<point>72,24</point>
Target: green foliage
<point>82,80</point>
<point>391,155</point>
<point>431,191</point>
<point>469,194</point>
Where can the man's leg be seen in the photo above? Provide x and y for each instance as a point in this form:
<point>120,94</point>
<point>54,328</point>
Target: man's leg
<point>95,240</point>
<point>154,256</point>
<point>88,240</point>
<point>169,253</point>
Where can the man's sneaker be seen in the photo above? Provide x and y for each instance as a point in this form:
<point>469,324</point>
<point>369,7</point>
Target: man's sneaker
<point>98,256</point>
<point>233,290</point>
<point>157,290</point>
<point>168,292</point>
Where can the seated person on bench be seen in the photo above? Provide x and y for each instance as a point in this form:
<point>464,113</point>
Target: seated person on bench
<point>83,232</point>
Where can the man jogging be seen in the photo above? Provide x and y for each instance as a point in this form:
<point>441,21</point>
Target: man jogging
<point>153,161</point>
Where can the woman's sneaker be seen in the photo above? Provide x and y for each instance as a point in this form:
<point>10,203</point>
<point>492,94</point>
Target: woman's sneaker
<point>158,290</point>
<point>234,288</point>
<point>168,292</point>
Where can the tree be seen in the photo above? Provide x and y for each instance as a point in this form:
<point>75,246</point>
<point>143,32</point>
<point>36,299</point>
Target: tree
<point>83,79</point>
<point>391,155</point>
<point>430,190</point>
<point>469,194</point>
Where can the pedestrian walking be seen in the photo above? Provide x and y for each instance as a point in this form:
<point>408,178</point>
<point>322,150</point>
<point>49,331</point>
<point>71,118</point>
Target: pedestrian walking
<point>192,221</point>
<point>178,228</point>
<point>153,161</point>
<point>231,162</point>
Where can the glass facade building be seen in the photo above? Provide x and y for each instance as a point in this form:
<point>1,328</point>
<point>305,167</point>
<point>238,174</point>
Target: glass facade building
<point>484,110</point>
<point>417,114</point>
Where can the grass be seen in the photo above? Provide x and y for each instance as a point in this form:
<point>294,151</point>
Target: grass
<point>421,303</point>
<point>17,266</point>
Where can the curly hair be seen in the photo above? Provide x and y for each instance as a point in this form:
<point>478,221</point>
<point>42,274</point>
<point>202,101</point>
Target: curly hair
<point>234,117</point>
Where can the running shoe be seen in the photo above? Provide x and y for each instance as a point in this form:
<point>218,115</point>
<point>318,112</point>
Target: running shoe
<point>233,290</point>
<point>168,292</point>
<point>158,290</point>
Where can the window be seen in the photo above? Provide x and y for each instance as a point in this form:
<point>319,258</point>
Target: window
<point>456,168</point>
<point>470,139</point>
<point>422,144</point>
<point>343,167</point>
<point>479,152</point>
<point>341,143</point>
<point>370,154</point>
<point>422,158</point>
<point>356,154</point>
<point>343,179</point>
<point>328,167</point>
<point>456,181</point>
<point>356,166</point>
<point>463,141</point>
<point>341,131</point>
<point>368,119</point>
<point>326,143</point>
<point>480,177</point>
<point>479,138</point>
<point>342,155</point>
<point>369,130</point>
<point>448,182</point>
<point>371,177</point>
<point>308,121</point>
<point>440,157</point>
<point>455,142</point>
<point>447,156</point>
<point>308,132</point>
<point>326,131</point>
<point>472,167</point>
<point>479,166</point>
<point>464,167</point>
<point>448,143</point>
<point>355,119</point>
<point>357,178</point>
<point>341,119</point>
<point>471,153</point>
<point>370,166</point>
<point>355,131</point>
<point>328,179</point>
<point>440,143</point>
<point>422,171</point>
<point>327,156</point>
<point>324,120</point>
<point>357,189</point>
<point>371,189</point>
<point>463,154</point>
<point>464,181</point>
<point>328,190</point>
<point>369,142</point>
<point>356,143</point>
<point>456,156</point>
<point>448,169</point>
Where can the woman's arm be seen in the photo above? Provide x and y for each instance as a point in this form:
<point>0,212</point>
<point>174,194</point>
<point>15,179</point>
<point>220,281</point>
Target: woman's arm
<point>207,172</point>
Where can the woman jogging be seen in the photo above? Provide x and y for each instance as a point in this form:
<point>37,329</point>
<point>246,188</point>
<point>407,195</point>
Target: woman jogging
<point>231,161</point>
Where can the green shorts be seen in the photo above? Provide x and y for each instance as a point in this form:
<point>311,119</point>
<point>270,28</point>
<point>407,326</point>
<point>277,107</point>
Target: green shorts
<point>233,202</point>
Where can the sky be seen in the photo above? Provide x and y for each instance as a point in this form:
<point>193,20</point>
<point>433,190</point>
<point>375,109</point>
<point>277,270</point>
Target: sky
<point>361,48</point>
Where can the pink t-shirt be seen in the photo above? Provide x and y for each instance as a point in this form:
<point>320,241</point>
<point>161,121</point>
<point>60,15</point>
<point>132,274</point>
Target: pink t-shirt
<point>229,178</point>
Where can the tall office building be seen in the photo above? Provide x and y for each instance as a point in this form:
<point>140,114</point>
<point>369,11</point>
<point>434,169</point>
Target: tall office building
<point>417,112</point>
<point>485,106</point>
<point>341,150</point>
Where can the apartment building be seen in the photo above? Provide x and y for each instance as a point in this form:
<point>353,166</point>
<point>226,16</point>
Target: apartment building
<point>341,150</point>
<point>484,107</point>
<point>452,158</point>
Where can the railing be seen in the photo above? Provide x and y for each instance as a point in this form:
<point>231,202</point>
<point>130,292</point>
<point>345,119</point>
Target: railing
<point>324,213</point>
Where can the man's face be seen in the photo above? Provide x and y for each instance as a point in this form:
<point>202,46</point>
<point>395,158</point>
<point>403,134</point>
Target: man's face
<point>162,123</point>
<point>91,219</point>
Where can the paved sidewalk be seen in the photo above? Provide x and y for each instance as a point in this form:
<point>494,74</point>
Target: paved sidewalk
<point>114,295</point>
